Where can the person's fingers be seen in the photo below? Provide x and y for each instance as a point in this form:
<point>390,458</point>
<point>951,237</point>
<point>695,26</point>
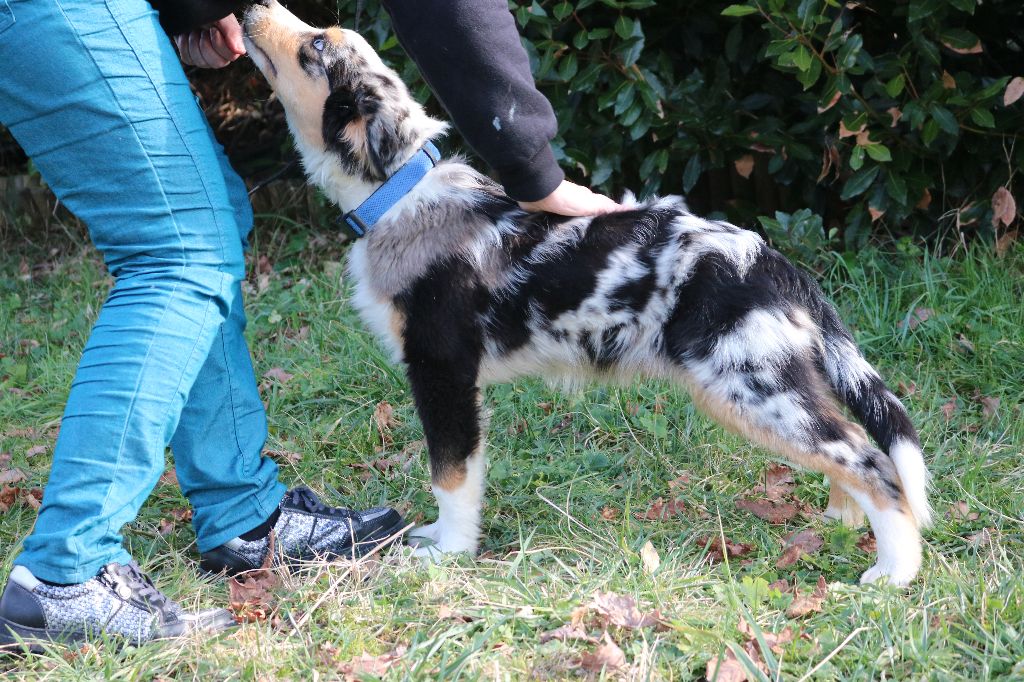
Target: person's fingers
<point>570,199</point>
<point>220,53</point>
<point>181,42</point>
<point>195,48</point>
<point>231,31</point>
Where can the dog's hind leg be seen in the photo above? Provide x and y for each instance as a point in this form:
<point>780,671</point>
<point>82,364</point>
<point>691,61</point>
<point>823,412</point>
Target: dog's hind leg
<point>789,409</point>
<point>843,508</point>
<point>817,437</point>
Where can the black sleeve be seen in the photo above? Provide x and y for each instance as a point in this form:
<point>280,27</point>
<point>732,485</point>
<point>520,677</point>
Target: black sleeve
<point>180,16</point>
<point>470,55</point>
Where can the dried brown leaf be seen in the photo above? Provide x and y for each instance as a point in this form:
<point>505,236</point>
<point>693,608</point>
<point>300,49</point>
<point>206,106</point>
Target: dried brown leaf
<point>610,513</point>
<point>797,545</point>
<point>169,477</point>
<point>251,592</point>
<point>181,514</point>
<point>778,483</point>
<point>1004,207</point>
<point>368,664</point>
<point>725,668</point>
<point>804,604</point>
<point>717,551</point>
<point>11,476</point>
<point>907,389</point>
<point>680,481</point>
<point>661,510</point>
<point>982,537</point>
<point>914,320</point>
<point>567,632</point>
<point>867,543</point>
<point>770,510</point>
<point>989,406</point>
<point>284,456</point>
<point>973,49</point>
<point>1005,241</point>
<point>607,656</point>
<point>649,558</point>
<point>846,132</point>
<point>745,165</point>
<point>925,201</point>
<point>1014,90</point>
<point>961,511</point>
<point>621,610</point>
<point>831,102</point>
<point>565,423</point>
<point>279,375</point>
<point>33,497</point>
<point>949,409</point>
<point>36,450</point>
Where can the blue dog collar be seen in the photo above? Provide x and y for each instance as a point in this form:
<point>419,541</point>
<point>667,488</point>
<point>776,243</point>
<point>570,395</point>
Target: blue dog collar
<point>357,222</point>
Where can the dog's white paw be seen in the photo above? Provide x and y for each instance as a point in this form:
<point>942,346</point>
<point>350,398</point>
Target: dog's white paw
<point>434,540</point>
<point>897,576</point>
<point>430,532</point>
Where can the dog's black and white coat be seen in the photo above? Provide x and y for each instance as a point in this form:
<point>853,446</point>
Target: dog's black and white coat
<point>466,289</point>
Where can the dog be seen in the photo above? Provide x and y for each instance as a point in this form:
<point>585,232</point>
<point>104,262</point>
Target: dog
<point>467,289</point>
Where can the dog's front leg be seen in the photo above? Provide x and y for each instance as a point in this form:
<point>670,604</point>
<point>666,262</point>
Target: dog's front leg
<point>448,401</point>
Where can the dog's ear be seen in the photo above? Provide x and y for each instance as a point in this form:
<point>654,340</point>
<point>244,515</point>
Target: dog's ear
<point>341,108</point>
<point>384,140</point>
<point>382,124</point>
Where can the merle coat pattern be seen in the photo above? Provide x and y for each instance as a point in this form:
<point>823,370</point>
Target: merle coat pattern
<point>466,289</point>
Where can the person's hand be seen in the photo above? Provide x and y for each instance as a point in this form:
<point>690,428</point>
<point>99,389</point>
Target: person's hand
<point>570,199</point>
<point>212,46</point>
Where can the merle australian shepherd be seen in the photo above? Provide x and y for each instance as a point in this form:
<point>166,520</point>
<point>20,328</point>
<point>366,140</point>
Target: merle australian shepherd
<point>467,289</point>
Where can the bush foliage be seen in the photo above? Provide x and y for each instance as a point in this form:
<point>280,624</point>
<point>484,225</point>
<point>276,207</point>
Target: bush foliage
<point>895,116</point>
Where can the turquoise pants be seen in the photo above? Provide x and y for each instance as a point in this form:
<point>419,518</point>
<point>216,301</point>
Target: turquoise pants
<point>95,94</point>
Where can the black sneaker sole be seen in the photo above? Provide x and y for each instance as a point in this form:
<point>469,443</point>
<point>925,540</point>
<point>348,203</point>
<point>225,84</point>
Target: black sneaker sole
<point>15,638</point>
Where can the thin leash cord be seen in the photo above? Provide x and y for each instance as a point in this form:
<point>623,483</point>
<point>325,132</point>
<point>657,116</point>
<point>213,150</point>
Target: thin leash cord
<point>359,12</point>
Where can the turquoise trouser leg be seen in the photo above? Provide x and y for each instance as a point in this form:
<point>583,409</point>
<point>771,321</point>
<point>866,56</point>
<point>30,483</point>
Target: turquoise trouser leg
<point>96,96</point>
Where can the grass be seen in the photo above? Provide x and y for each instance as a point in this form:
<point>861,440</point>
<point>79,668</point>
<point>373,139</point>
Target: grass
<point>560,464</point>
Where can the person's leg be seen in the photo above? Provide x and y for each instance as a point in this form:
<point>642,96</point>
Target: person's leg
<point>96,96</point>
<point>217,447</point>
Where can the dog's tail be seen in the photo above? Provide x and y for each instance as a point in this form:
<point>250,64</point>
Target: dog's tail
<point>860,388</point>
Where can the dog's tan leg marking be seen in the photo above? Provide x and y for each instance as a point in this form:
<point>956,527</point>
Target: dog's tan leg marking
<point>460,499</point>
<point>451,479</point>
<point>843,508</point>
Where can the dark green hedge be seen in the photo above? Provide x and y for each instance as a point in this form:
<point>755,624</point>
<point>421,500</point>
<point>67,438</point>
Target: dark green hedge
<point>884,116</point>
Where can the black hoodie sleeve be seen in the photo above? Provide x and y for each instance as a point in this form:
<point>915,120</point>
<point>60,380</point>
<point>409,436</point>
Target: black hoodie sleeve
<point>181,16</point>
<point>470,55</point>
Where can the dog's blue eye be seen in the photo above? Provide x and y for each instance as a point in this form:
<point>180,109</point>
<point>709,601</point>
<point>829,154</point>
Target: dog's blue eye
<point>318,44</point>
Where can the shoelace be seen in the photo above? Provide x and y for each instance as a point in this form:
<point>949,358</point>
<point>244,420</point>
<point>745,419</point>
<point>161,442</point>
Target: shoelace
<point>304,498</point>
<point>140,584</point>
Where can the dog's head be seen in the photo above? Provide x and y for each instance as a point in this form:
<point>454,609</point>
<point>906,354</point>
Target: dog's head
<point>343,104</point>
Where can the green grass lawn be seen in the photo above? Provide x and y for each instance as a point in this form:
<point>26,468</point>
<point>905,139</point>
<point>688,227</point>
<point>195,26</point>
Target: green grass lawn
<point>571,475</point>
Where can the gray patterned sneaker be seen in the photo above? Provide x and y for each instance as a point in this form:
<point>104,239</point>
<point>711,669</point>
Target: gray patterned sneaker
<point>308,530</point>
<point>119,602</point>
